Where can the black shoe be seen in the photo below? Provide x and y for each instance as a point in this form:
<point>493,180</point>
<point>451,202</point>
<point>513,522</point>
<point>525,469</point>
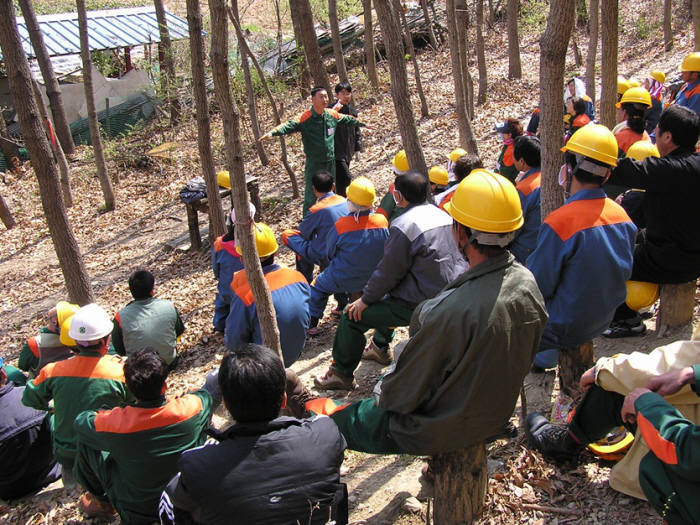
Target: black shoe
<point>508,431</point>
<point>551,440</point>
<point>297,396</point>
<point>625,329</point>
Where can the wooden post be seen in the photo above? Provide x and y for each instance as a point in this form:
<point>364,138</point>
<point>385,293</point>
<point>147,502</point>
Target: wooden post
<point>676,306</point>
<point>460,484</point>
<point>573,362</point>
<point>193,227</point>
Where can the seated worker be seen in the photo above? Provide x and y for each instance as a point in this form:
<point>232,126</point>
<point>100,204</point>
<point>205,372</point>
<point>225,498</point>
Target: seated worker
<point>451,159</point>
<point>576,88</point>
<point>509,131</point>
<point>588,231</point>
<point>26,454</point>
<point>633,108</point>
<point>309,241</point>
<point>47,346</point>
<point>147,321</point>
<point>689,94</point>
<point>618,391</point>
<point>654,84</point>
<point>489,319</point>
<point>526,152</point>
<point>439,179</point>
<point>290,295</point>
<point>668,250</point>
<point>632,199</point>
<point>622,85</point>
<point>388,205</point>
<point>533,126</point>
<point>463,166</point>
<point>576,108</point>
<point>88,381</point>
<point>127,455</point>
<point>420,258</point>
<point>266,468</point>
<point>354,247</point>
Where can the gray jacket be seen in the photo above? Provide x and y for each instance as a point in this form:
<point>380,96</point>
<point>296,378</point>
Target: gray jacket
<point>420,258</point>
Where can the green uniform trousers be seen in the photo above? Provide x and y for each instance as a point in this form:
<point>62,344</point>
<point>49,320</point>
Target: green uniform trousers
<point>365,427</point>
<point>309,169</point>
<point>350,339</point>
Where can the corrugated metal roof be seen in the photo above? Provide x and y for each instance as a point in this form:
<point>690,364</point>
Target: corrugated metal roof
<point>109,29</point>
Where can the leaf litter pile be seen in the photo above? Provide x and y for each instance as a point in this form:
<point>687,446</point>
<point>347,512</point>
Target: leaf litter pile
<point>522,487</point>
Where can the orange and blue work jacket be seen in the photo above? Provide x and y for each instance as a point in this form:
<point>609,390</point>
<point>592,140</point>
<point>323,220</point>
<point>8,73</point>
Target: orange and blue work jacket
<point>225,261</point>
<point>526,237</point>
<point>581,262</point>
<point>689,96</point>
<point>310,243</point>
<point>290,295</point>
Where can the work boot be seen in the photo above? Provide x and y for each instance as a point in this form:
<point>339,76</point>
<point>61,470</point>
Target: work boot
<point>632,328</point>
<point>297,396</point>
<point>552,440</point>
<point>332,380</point>
<point>95,508</point>
<point>374,352</point>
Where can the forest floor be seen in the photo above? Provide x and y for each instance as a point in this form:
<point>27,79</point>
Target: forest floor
<point>150,217</point>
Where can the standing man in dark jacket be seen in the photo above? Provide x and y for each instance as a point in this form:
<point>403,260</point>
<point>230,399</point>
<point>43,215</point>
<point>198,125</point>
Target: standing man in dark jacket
<point>348,139</point>
<point>266,469</point>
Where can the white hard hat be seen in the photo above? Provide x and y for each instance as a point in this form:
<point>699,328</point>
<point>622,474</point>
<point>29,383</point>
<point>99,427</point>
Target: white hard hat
<point>90,323</point>
<point>251,208</point>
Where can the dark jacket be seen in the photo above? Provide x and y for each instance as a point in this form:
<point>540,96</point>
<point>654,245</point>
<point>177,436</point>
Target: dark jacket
<point>348,139</point>
<point>266,472</point>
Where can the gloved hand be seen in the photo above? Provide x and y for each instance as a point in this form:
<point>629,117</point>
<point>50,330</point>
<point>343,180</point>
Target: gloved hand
<point>286,234</point>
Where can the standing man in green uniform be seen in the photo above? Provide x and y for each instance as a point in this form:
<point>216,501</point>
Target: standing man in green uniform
<point>317,127</point>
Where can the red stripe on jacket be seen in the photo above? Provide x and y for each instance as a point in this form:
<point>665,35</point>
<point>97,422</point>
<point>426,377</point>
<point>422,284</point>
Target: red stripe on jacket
<point>584,214</point>
<point>131,419</point>
<point>33,346</point>
<point>275,280</point>
<point>662,448</point>
<point>229,246</point>
<point>84,367</point>
<point>327,202</point>
<point>348,224</point>
<point>530,184</point>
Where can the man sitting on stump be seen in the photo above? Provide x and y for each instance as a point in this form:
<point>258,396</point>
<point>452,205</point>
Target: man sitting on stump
<point>47,346</point>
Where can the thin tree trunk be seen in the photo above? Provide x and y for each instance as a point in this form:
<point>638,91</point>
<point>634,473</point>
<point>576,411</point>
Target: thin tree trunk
<point>278,17</point>
<point>20,82</point>
<point>464,127</point>
<point>273,104</point>
<point>578,59</point>
<point>514,67</point>
<point>304,75</point>
<point>9,148</point>
<point>93,124</point>
<point>391,33</point>
<point>6,215</point>
<point>462,21</point>
<point>252,107</point>
<point>410,49</point>
<point>594,13</point>
<point>429,24</point>
<point>217,221</point>
<point>302,8</point>
<point>480,53</point>
<point>234,159</point>
<point>668,33</point>
<point>553,46</point>
<point>695,9</point>
<point>370,56</point>
<point>53,92</point>
<point>337,44</point>
<point>168,75</point>
<point>608,61</point>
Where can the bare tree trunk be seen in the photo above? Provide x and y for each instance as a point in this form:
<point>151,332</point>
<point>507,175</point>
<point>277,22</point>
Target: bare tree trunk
<point>273,104</point>
<point>480,54</point>
<point>578,59</point>
<point>429,24</point>
<point>252,109</point>
<point>304,75</point>
<point>461,478</point>
<point>337,44</point>
<point>391,33</point>
<point>370,55</point>
<point>9,148</point>
<point>464,127</point>
<point>6,215</point>
<point>20,82</point>
<point>573,362</point>
<point>53,92</point>
<point>302,8</point>
<point>411,50</point>
<point>668,33</point>
<point>462,21</point>
<point>168,75</point>
<point>95,138</point>
<point>514,67</point>
<point>278,17</point>
<point>553,46</point>
<point>608,61</point>
<point>234,159</point>
<point>695,9</point>
<point>217,221</point>
<point>594,13</point>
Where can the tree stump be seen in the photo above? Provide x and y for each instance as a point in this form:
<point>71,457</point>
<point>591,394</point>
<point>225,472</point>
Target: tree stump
<point>676,306</point>
<point>460,484</point>
<point>573,362</point>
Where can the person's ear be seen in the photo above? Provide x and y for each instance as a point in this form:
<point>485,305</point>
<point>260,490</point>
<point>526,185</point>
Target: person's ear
<point>284,401</point>
<point>165,387</point>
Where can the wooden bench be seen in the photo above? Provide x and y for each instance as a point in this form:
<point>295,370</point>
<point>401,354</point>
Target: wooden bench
<point>194,207</point>
<point>676,306</point>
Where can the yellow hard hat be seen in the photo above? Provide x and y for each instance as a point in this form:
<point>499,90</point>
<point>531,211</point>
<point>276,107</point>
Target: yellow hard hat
<point>659,76</point>
<point>614,445</point>
<point>64,309</point>
<point>594,141</point>
<point>265,240</point>
<point>401,161</point>
<point>641,294</point>
<point>223,179</point>
<point>438,175</point>
<point>635,95</point>
<point>361,192</point>
<point>487,202</point>
<point>691,62</point>
<point>622,85</point>
<point>456,153</point>
<point>64,327</point>
<point>642,149</point>
<point>633,83</point>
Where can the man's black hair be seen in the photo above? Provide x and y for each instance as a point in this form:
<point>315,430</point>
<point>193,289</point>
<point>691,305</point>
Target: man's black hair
<point>141,284</point>
<point>252,381</point>
<point>528,149</point>
<point>340,86</point>
<point>322,181</point>
<point>316,90</point>
<point>579,105</point>
<point>145,373</point>
<point>413,185</point>
<point>465,165</point>
<point>682,123</point>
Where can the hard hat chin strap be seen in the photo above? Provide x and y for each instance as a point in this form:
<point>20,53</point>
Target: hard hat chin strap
<point>582,163</point>
<point>491,239</point>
